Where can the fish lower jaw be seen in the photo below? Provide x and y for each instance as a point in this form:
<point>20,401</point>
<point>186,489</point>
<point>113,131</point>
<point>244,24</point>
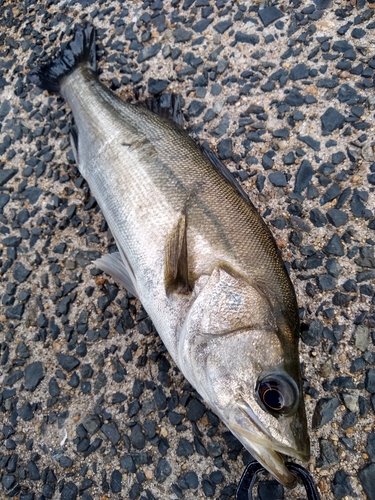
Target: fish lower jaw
<point>270,454</point>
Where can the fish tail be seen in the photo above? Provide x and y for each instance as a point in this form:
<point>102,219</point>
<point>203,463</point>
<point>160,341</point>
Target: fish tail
<point>81,50</point>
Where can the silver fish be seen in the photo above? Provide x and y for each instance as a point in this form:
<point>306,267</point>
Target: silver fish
<point>195,251</point>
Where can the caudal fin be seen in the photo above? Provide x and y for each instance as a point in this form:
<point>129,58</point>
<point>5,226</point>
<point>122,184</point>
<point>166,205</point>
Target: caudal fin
<point>81,50</point>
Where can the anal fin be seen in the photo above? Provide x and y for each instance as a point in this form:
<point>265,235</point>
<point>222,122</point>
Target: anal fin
<point>118,267</point>
<point>176,259</point>
<point>73,139</point>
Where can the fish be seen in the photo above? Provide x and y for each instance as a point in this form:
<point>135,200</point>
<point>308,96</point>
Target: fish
<point>195,251</point>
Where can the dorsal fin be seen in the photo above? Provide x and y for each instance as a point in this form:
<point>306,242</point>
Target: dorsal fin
<point>166,105</point>
<point>175,260</point>
<point>220,167</point>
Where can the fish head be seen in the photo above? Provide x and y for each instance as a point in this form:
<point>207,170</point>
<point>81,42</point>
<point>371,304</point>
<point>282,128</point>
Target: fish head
<point>247,371</point>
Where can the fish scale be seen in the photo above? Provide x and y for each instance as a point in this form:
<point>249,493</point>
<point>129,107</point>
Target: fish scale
<point>197,254</point>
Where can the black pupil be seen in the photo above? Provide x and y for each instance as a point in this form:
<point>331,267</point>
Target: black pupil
<point>273,398</point>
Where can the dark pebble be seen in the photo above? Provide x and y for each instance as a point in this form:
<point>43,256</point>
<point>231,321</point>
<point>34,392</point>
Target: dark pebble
<point>33,470</point>
<point>111,431</point>
<point>137,437</point>
<point>313,334</point>
<point>116,481</point>
<point>312,143</point>
<point>349,420</point>
<point>6,175</point>
<point>148,52</point>
<point>184,448</point>
<point>69,491</point>
<point>299,72</point>
<point>182,35</point>
<point>317,218</point>
<point>128,464</point>
<point>222,26</point>
<point>91,423</point>
<point>34,374</point>
<point>367,478</point>
<point>303,176</point>
<point>208,488</point>
<point>20,273</point>
<point>26,412</point>
<point>370,380</point>
<point>245,38</point>
<point>195,410</point>
<point>324,411</point>
<point>325,282</point>
<point>196,108</point>
<point>269,15</point>
<point>337,217</point>
<point>331,120</point>
<point>278,179</point>
<point>157,86</point>
<point>328,453</point>
<point>370,448</point>
<point>341,486</point>
<point>163,470</point>
<point>334,246</point>
<point>67,362</point>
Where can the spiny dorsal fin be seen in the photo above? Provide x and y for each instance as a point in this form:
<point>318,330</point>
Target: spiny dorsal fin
<point>175,263</point>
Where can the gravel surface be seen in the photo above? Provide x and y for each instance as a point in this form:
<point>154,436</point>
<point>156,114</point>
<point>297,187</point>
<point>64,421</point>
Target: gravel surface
<point>92,406</point>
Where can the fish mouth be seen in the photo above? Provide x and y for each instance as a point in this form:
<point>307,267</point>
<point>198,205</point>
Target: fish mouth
<point>263,447</point>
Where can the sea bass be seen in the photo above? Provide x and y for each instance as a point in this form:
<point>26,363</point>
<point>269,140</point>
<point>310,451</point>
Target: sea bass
<point>194,250</point>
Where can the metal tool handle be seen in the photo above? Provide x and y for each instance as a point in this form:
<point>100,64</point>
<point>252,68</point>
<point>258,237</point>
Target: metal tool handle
<point>250,477</point>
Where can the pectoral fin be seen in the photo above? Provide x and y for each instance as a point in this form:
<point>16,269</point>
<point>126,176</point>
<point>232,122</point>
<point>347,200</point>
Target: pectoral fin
<point>116,265</point>
<point>176,263</point>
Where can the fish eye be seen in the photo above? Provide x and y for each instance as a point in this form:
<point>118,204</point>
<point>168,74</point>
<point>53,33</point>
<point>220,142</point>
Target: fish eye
<point>278,394</point>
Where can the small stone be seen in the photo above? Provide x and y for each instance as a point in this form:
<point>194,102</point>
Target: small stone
<point>127,463</point>
<point>303,176</point>
<point>313,335</point>
<point>192,480</point>
<point>67,362</point>
<point>182,35</point>
<point>312,143</point>
<point>325,282</point>
<point>26,412</point>
<point>370,380</point>
<point>196,108</point>
<point>116,481</point>
<point>91,423</point>
<point>317,218</point>
<point>195,410</point>
<point>20,273</point>
<point>222,26</point>
<point>337,217</point>
<point>157,86</point>
<point>324,411</point>
<point>341,486</point>
<point>367,478</point>
<point>269,15</point>
<point>148,52</point>
<point>69,491</point>
<point>331,120</point>
<point>328,454</point>
<point>334,246</point>
<point>137,437</point>
<point>278,179</point>
<point>208,488</point>
<point>34,374</point>
<point>299,72</point>
<point>245,38</point>
<point>362,337</point>
<point>6,175</point>
<point>111,431</point>
<point>184,448</point>
<point>349,420</point>
<point>163,470</point>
